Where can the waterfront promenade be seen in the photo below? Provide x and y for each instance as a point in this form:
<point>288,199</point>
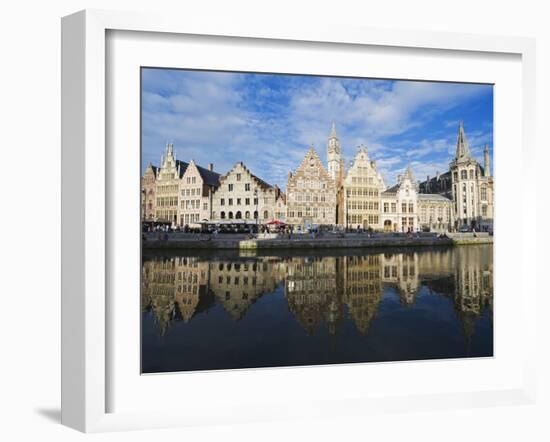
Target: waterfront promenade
<point>178,240</point>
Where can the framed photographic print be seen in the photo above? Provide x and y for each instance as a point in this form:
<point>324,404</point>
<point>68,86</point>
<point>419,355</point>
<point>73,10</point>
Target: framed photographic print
<point>251,213</point>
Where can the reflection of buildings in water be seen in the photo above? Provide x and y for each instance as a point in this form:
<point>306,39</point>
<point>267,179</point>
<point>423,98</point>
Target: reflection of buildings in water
<point>362,289</point>
<point>238,284</point>
<point>311,292</point>
<point>318,289</point>
<point>175,282</point>
<point>401,270</point>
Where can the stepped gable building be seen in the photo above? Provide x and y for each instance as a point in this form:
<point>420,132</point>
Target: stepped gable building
<point>242,197</point>
<point>468,184</point>
<point>197,186</point>
<point>400,205</point>
<point>148,192</point>
<point>362,189</point>
<point>167,186</point>
<point>311,194</point>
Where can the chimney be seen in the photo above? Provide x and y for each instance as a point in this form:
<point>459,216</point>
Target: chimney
<point>210,167</point>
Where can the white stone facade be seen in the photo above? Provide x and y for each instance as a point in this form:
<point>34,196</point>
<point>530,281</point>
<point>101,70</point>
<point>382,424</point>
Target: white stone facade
<point>244,197</point>
<point>400,205</point>
<point>435,212</point>
<point>196,189</point>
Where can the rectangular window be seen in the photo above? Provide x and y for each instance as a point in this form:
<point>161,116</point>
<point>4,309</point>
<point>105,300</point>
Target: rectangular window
<point>230,201</point>
<point>247,201</point>
<point>247,186</point>
<point>238,177</point>
<point>484,193</point>
<point>222,202</point>
<point>386,207</point>
<point>403,207</point>
<point>230,187</point>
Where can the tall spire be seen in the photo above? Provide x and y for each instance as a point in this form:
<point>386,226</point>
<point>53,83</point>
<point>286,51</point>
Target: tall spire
<point>335,160</point>
<point>333,130</point>
<point>462,147</point>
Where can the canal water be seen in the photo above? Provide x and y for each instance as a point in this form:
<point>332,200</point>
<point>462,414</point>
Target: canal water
<point>223,310</point>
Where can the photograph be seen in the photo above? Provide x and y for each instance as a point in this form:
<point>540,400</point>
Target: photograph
<point>302,220</point>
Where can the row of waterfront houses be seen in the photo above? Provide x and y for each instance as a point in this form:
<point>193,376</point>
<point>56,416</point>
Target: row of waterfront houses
<point>186,194</point>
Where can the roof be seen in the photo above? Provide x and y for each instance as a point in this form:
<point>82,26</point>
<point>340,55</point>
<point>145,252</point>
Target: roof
<point>392,189</point>
<point>209,177</point>
<point>435,179</point>
<point>181,166</point>
<point>433,196</point>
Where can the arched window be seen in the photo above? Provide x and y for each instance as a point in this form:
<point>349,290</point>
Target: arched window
<point>247,214</point>
<point>255,214</point>
<point>238,215</point>
<point>222,215</point>
<point>464,174</point>
<point>230,215</point>
<point>266,214</point>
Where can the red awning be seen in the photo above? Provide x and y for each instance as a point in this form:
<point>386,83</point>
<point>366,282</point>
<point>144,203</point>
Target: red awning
<point>276,222</point>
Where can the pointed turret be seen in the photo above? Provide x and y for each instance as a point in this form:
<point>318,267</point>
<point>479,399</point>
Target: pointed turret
<point>409,173</point>
<point>335,161</point>
<point>486,162</point>
<point>462,147</point>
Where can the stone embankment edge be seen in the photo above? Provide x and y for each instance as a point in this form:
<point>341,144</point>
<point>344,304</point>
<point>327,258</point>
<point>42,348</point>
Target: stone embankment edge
<point>305,244</point>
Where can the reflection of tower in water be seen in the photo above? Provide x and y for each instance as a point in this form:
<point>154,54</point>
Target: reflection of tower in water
<point>473,286</point>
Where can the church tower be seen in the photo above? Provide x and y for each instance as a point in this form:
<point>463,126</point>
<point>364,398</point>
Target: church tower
<point>335,161</point>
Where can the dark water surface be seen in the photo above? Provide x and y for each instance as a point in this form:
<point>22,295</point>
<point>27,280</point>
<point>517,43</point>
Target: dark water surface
<point>204,311</point>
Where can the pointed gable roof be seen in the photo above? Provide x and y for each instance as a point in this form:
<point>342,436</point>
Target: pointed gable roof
<point>181,166</point>
<point>209,177</point>
<point>263,184</point>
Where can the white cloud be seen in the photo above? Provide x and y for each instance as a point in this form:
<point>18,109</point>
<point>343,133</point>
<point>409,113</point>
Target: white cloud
<point>211,117</point>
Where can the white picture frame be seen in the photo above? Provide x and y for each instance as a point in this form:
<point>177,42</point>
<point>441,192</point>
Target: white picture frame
<point>86,352</point>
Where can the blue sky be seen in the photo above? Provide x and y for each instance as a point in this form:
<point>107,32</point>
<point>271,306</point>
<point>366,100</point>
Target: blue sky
<point>268,121</point>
